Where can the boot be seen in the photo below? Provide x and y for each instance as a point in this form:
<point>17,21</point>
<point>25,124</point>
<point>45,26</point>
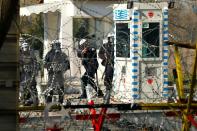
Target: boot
<point>28,103</point>
<point>83,95</point>
<point>48,98</point>
<point>107,97</point>
<point>61,99</point>
<point>35,101</point>
<point>100,93</point>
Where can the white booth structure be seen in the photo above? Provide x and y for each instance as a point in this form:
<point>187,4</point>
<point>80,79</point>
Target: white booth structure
<point>141,54</point>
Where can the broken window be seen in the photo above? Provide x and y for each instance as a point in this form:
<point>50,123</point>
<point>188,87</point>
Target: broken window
<point>150,40</point>
<point>122,40</point>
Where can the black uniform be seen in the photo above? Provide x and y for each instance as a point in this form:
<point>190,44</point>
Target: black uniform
<point>56,63</point>
<point>29,68</point>
<point>106,53</point>
<point>90,63</point>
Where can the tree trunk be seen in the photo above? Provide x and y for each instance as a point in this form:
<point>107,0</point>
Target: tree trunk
<point>8,8</point>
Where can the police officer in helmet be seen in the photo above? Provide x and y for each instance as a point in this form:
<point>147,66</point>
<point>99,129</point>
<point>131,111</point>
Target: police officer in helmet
<point>106,53</point>
<point>57,64</point>
<point>90,63</point>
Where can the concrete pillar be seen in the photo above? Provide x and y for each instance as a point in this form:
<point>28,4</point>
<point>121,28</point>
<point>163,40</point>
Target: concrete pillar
<point>51,32</point>
<point>66,37</point>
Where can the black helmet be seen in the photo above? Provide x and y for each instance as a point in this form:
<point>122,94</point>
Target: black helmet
<point>56,45</point>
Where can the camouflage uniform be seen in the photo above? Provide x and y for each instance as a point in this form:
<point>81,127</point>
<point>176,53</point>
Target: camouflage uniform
<point>29,68</point>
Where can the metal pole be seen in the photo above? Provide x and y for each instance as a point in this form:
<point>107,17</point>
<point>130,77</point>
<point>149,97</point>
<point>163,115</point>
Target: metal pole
<point>180,88</point>
<point>140,106</point>
<point>186,125</point>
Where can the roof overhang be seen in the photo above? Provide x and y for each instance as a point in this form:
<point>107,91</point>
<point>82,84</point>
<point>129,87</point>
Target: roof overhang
<point>42,8</point>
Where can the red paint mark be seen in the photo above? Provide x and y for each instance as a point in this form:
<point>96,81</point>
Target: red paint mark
<point>178,113</point>
<point>96,116</point>
<point>97,123</point>
<point>150,81</point>
<point>22,120</point>
<point>91,102</point>
<point>150,14</point>
<point>192,120</point>
<point>173,113</point>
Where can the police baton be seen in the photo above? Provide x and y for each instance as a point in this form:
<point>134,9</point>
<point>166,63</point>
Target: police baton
<point>97,82</point>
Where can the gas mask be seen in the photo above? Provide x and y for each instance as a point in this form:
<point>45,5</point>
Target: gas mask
<point>110,39</point>
<point>56,46</point>
<point>83,44</point>
<point>25,47</point>
<point>21,40</point>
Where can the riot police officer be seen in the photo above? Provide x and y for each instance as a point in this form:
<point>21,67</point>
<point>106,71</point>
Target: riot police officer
<point>106,53</point>
<point>29,68</point>
<point>57,64</point>
<point>90,63</point>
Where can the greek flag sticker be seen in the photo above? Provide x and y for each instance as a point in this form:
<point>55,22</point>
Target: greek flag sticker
<point>121,15</point>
